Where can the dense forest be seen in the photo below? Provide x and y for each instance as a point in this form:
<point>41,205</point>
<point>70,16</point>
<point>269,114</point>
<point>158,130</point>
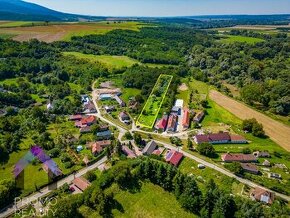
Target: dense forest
<point>260,70</point>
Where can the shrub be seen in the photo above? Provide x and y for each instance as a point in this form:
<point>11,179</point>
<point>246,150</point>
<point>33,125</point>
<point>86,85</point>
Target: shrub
<point>206,149</point>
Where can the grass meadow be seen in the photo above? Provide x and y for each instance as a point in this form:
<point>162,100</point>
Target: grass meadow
<point>233,39</point>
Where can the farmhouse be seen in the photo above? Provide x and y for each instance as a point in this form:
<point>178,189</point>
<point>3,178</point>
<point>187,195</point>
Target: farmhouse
<point>85,129</point>
<point>173,157</point>
<point>250,168</point>
<point>85,121</point>
<point>262,195</point>
<point>104,134</point>
<point>81,183</point>
<point>128,152</point>
<point>162,123</point>
<point>186,118</point>
<point>246,158</point>
<point>149,148</point>
<point>199,116</point>
<point>89,108</point>
<point>172,122</point>
<point>219,138</point>
<point>98,146</point>
<point>75,117</point>
<point>124,116</point>
<point>176,110</point>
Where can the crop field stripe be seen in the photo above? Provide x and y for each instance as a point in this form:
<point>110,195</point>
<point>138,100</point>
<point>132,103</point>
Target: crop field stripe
<point>165,92</point>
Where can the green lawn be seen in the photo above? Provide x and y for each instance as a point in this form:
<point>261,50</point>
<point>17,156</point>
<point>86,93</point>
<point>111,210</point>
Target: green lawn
<point>233,39</point>
<point>153,104</point>
<point>15,23</point>
<point>151,201</point>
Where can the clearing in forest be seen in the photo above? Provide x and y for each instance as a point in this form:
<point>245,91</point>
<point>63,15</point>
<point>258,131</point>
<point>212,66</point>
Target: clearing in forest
<point>154,102</point>
<point>278,132</point>
<point>246,39</point>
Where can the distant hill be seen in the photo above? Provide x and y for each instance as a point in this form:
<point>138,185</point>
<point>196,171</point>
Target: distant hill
<point>20,10</point>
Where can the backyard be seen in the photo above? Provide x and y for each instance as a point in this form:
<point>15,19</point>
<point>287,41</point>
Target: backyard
<point>154,102</point>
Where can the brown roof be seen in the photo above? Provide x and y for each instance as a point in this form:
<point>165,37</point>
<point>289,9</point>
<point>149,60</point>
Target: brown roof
<point>81,183</point>
<point>238,157</point>
<point>237,138</point>
<point>221,136</point>
<point>172,121</point>
<point>250,168</point>
<point>98,146</point>
<point>186,116</point>
<point>263,195</point>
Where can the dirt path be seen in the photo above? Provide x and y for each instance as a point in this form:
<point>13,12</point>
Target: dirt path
<point>278,132</point>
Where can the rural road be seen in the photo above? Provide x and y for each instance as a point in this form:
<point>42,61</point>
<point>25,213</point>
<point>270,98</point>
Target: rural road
<point>199,160</point>
<point>10,210</point>
<point>221,170</point>
<point>278,132</point>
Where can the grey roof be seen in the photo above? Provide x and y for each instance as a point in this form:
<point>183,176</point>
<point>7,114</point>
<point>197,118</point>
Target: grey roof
<point>175,109</point>
<point>149,148</point>
<point>104,133</point>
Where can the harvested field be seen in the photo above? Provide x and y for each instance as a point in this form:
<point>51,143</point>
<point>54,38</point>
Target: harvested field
<point>259,27</point>
<point>278,132</point>
<point>56,32</point>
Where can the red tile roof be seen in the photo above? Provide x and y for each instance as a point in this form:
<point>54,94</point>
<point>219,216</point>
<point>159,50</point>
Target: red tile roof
<point>185,120</point>
<point>238,157</point>
<point>237,138</point>
<point>174,158</point>
<point>98,146</point>
<point>88,120</point>
<point>161,124</point>
<point>81,183</point>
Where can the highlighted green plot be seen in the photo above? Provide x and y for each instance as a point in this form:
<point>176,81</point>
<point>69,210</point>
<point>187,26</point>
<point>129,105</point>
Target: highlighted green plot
<point>154,102</point>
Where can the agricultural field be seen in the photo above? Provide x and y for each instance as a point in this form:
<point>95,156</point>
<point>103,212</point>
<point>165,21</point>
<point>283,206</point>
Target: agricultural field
<point>154,102</point>
<point>24,31</point>
<point>277,131</point>
<point>110,61</point>
<point>150,201</point>
<point>233,39</point>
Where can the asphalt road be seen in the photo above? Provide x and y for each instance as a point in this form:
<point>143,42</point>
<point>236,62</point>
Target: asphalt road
<point>10,210</point>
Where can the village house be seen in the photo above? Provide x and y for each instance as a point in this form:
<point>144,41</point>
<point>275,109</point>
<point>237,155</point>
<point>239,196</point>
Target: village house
<point>128,152</point>
<point>85,129</point>
<point>81,183</point>
<point>105,96</point>
<point>85,121</point>
<point>174,157</point>
<point>262,195</point>
<point>245,158</point>
<point>250,168</point>
<point>149,148</point>
<point>98,146</point>
<point>104,134</point>
<point>161,124</point>
<point>124,117</point>
<point>261,154</point>
<point>176,110</point>
<point>172,123</point>
<point>219,138</point>
<point>109,109</point>
<point>199,116</point>
<point>186,118</point>
<point>89,108</point>
<point>76,117</point>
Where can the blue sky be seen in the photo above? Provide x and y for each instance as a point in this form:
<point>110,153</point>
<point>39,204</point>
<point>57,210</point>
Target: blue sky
<point>167,7</point>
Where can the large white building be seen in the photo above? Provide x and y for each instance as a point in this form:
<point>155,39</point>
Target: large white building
<point>179,103</point>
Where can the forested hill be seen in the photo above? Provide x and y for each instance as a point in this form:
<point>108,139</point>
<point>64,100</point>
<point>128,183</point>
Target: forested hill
<point>20,10</point>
